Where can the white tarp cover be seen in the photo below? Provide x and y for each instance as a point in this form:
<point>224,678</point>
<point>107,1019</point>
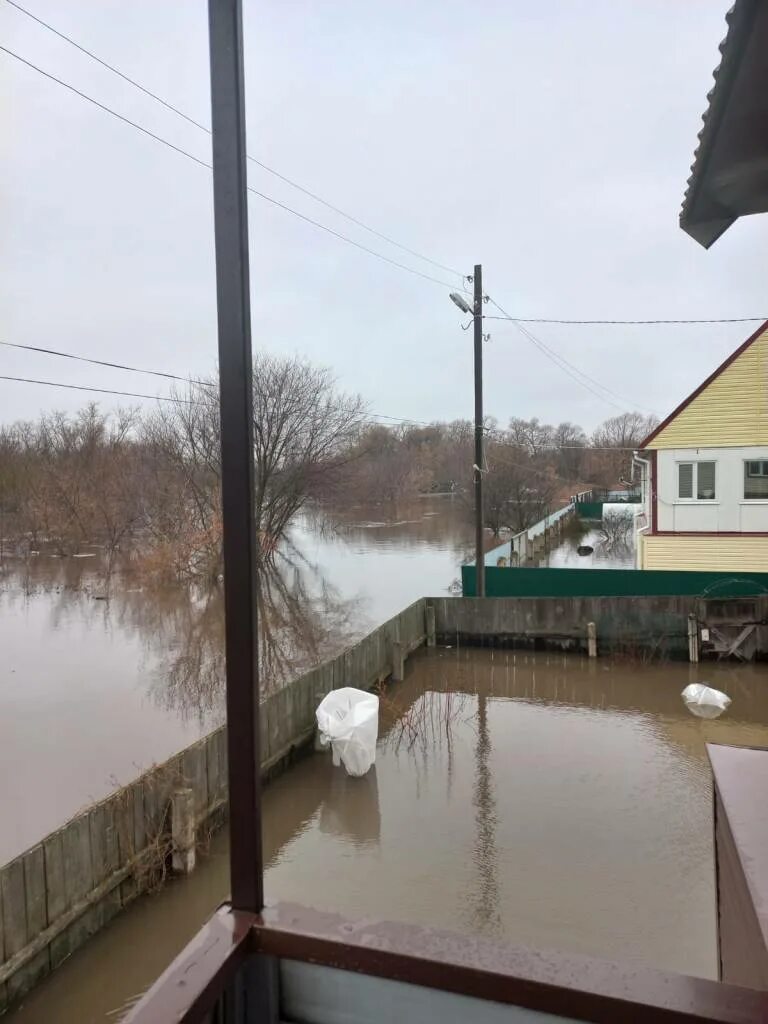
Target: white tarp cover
<point>348,719</point>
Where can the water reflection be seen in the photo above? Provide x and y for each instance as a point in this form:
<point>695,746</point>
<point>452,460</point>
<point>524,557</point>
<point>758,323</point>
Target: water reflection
<point>484,908</point>
<point>612,542</point>
<point>303,620</point>
<point>350,807</point>
<point>550,800</point>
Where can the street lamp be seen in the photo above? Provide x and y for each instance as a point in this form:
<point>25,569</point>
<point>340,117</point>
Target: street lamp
<point>461,302</point>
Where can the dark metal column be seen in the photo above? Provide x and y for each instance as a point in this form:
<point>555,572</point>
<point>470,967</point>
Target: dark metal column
<point>236,397</point>
<point>479,516</point>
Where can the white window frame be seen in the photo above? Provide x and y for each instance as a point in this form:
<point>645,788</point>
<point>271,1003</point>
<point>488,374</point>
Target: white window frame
<point>695,489</point>
<point>755,476</point>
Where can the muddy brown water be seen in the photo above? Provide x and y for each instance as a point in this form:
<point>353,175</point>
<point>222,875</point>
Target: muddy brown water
<point>535,798</point>
<point>94,691</point>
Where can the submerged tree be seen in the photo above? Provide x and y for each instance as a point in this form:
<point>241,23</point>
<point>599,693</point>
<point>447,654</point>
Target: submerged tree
<point>304,432</point>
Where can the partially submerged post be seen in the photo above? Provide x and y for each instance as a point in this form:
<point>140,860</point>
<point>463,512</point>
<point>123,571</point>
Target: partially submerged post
<point>183,831</point>
<point>693,638</point>
<point>591,640</point>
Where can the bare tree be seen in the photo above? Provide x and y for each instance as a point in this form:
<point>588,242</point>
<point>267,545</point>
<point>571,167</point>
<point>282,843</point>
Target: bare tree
<point>518,490</point>
<point>624,433</point>
<point>532,436</point>
<point>73,479</point>
<point>570,443</point>
<point>304,433</point>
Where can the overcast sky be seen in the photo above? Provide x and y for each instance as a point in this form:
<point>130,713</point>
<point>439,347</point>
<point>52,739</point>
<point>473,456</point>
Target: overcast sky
<point>550,141</point>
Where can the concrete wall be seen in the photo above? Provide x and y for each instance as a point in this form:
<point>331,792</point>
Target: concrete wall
<point>56,895</point>
<point>644,624</point>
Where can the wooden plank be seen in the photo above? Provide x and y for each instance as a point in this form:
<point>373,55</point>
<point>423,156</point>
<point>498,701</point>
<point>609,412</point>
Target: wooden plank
<point>13,889</point>
<point>78,881</point>
<point>213,767</point>
<point>56,892</point>
<point>105,857</point>
<point>124,822</point>
<point>194,770</point>
<point>34,885</point>
<point>38,966</point>
<point>14,906</point>
<point>264,737</point>
<point>139,819</point>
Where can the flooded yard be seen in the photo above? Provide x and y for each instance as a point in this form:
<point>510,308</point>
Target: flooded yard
<point>99,682</point>
<point>541,799</point>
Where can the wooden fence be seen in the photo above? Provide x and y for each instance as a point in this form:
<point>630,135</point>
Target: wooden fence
<point>56,895</point>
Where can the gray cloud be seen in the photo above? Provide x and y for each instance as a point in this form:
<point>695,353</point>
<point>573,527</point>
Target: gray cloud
<point>550,141</point>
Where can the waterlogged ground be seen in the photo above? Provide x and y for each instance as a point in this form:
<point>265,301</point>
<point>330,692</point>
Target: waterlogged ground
<point>98,683</point>
<point>540,799</point>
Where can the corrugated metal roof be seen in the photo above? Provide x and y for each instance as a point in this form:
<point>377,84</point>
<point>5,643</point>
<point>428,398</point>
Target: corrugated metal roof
<point>739,19</point>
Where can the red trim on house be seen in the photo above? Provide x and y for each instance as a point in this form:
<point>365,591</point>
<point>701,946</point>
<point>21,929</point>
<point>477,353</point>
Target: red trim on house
<point>710,533</point>
<point>695,394</point>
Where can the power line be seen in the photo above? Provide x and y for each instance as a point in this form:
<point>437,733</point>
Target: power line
<point>100,391</point>
<point>197,124</point>
<point>567,367</point>
<point>61,354</point>
<point>104,362</point>
<point>637,323</point>
<point>204,163</point>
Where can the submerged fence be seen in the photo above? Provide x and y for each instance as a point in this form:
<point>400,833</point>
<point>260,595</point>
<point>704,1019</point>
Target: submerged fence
<point>57,894</point>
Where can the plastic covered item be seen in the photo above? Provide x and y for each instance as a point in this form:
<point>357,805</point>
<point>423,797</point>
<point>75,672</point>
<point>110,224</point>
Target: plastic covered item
<point>348,720</point>
<point>703,701</point>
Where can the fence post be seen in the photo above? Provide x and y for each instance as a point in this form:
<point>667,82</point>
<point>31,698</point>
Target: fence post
<point>430,617</point>
<point>693,638</point>
<point>398,661</point>
<point>183,830</point>
<point>591,640</point>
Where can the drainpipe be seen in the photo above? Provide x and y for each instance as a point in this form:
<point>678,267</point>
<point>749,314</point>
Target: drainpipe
<point>646,486</point>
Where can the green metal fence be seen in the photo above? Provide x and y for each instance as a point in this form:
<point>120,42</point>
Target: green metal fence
<point>513,582</point>
<point>589,509</point>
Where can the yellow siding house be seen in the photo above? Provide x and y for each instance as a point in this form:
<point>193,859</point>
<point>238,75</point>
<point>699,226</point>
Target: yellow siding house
<point>705,472</point>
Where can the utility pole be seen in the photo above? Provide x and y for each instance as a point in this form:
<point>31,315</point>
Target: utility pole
<point>478,326</point>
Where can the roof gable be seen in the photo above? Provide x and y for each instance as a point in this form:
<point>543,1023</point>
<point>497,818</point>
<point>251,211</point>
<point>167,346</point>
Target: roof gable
<point>730,408</point>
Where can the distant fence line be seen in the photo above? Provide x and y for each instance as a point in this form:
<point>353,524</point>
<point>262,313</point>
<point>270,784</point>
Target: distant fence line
<point>63,890</point>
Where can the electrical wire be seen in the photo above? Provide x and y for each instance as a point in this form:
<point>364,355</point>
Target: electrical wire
<point>60,353</point>
<point>567,367</point>
<point>100,391</point>
<point>161,373</point>
<point>204,163</point>
<point>318,198</point>
<point>104,362</point>
<point>204,128</point>
<point>635,323</point>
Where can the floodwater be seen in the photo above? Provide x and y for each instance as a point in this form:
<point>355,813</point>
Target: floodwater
<point>612,542</point>
<point>540,799</point>
<point>94,691</point>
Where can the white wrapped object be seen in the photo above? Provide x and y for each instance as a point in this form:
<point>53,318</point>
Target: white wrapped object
<point>705,702</point>
<point>348,719</point>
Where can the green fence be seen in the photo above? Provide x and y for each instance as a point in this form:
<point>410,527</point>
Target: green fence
<point>589,509</point>
<point>512,582</point>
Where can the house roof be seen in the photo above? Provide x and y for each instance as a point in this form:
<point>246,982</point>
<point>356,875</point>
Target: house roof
<point>704,384</point>
<point>729,175</point>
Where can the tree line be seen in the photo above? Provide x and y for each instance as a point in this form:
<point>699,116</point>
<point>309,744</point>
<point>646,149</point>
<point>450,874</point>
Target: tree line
<point>148,483</point>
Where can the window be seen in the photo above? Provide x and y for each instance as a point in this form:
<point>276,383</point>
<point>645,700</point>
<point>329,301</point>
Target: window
<point>756,480</point>
<point>696,480</point>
